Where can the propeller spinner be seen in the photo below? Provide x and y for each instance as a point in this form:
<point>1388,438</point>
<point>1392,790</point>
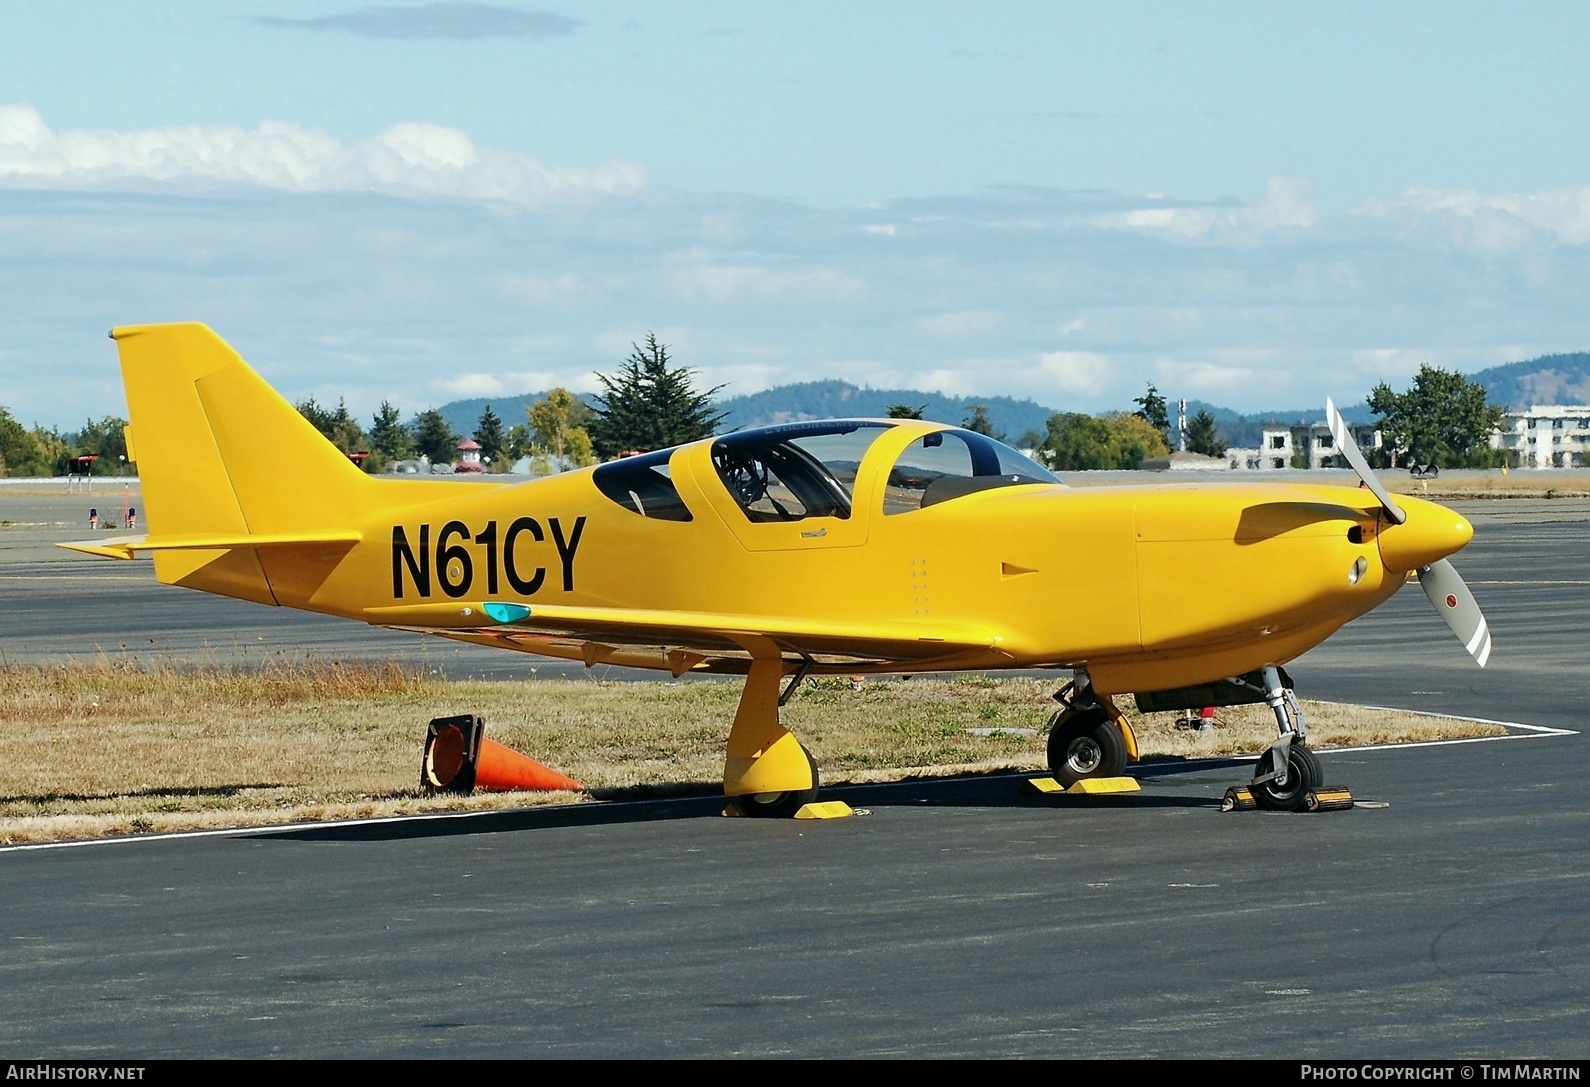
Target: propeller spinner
<point>1439,579</point>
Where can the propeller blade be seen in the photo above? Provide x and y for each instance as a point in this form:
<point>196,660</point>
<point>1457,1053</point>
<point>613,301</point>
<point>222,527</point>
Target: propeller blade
<point>1349,449</point>
<point>1444,586</point>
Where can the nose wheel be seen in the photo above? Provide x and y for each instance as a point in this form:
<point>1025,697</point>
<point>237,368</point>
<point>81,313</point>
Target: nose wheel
<point>1274,791</point>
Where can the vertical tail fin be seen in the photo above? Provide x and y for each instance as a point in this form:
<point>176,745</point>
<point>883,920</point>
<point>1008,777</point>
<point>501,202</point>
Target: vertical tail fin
<point>220,452</point>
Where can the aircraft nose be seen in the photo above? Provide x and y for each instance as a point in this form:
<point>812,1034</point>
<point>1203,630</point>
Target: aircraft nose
<point>1431,532</point>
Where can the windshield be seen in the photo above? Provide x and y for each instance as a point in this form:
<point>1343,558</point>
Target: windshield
<point>950,463</point>
<point>794,471</point>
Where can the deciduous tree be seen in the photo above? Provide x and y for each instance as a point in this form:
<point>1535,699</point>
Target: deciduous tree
<point>978,422</point>
<point>1117,440</point>
<point>558,429</point>
<point>1443,419</point>
<point>21,452</point>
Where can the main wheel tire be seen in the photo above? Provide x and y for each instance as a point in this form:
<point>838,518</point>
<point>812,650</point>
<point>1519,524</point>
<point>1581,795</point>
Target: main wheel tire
<point>1085,744</point>
<point>1303,774</point>
<point>779,805</point>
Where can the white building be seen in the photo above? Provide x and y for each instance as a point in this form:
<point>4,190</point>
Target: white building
<point>1546,436</point>
<point>1313,441</point>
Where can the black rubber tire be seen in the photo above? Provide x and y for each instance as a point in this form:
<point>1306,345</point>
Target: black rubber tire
<point>1303,775</point>
<point>1085,744</point>
<point>779,805</point>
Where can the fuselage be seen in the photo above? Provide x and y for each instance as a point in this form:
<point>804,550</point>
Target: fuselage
<point>1146,587</point>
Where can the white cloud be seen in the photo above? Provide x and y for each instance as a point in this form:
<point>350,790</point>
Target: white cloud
<point>1369,366</point>
<point>410,159</point>
<point>465,386</point>
<point>962,324</point>
<point>1286,204</point>
<point>1204,379</point>
<point>1080,373</point>
<point>949,380</point>
<point>706,274</point>
<point>1562,213</point>
<point>341,292</point>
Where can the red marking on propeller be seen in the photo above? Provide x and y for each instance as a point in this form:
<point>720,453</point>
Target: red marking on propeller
<point>1451,601</point>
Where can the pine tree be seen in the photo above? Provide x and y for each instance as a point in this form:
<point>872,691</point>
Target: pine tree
<point>1152,408</point>
<point>489,433</point>
<point>434,439</point>
<point>340,428</point>
<point>1201,436</point>
<point>649,405</point>
<point>905,411</point>
<point>388,435</point>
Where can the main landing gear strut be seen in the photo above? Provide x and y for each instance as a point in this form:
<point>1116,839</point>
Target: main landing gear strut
<point>1088,737</point>
<point>766,771</point>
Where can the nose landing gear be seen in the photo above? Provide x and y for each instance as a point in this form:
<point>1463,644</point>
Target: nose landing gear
<point>1288,772</point>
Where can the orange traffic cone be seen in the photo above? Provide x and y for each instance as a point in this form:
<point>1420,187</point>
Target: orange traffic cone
<point>459,758</point>
<point>501,767</point>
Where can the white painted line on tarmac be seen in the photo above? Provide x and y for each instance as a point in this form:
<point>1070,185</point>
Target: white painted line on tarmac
<point>1531,732</point>
<point>268,828</point>
<point>69,577</point>
<point>321,824</point>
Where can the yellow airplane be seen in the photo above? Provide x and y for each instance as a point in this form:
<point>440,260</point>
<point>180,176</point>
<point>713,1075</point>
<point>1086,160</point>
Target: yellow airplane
<point>850,547</point>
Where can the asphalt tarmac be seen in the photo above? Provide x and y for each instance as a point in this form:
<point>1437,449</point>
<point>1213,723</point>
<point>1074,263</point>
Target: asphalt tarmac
<point>1444,917</point>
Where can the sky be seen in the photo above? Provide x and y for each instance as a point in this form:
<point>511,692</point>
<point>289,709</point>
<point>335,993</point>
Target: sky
<point>1256,205</point>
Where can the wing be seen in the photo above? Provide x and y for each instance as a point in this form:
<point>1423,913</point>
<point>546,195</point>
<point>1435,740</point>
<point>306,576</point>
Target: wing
<point>683,641</point>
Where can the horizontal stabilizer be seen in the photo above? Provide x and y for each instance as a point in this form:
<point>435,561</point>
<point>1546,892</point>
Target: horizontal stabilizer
<point>125,547</point>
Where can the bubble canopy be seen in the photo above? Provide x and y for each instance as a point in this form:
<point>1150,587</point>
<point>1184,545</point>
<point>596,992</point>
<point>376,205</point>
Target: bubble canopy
<point>793,471</point>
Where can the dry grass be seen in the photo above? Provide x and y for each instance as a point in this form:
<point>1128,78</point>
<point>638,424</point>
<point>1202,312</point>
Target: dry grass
<point>1469,484</point>
<point>110,749</point>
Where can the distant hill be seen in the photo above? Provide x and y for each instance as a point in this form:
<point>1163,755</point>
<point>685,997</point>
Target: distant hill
<point>464,415</point>
<point>1247,431</point>
<point>791,403</point>
<point>840,399</point>
<point>1550,379</point>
